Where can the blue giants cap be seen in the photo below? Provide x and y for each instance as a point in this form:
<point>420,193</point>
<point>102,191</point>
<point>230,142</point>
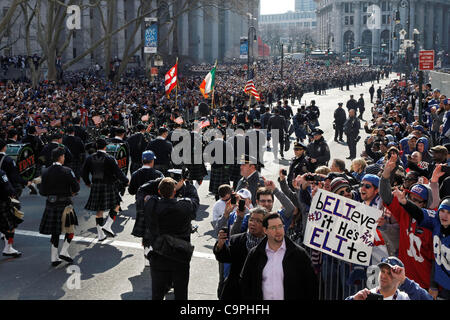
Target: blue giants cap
<point>373,179</point>
<point>148,155</point>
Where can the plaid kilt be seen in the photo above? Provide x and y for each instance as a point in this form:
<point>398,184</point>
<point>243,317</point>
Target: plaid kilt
<point>219,175</point>
<point>103,197</point>
<point>196,171</point>
<point>76,165</point>
<point>235,173</point>
<point>52,218</point>
<point>8,220</point>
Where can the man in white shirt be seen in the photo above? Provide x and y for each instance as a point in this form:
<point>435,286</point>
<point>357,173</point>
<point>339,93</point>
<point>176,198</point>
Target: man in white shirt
<point>277,268</point>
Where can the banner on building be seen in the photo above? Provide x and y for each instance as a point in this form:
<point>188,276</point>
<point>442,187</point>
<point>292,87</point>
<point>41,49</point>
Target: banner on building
<point>342,228</point>
<point>244,48</point>
<point>151,35</point>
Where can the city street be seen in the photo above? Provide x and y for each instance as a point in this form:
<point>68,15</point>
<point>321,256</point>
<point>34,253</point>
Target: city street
<point>114,269</point>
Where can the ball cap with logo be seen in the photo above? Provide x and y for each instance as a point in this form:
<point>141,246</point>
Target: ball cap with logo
<point>391,262</point>
<point>245,194</point>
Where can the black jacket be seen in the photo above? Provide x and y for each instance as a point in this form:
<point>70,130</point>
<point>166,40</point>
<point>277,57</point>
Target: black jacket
<point>111,171</point>
<point>162,149</point>
<point>300,281</point>
<point>137,144</point>
<point>12,171</point>
<point>142,176</point>
<point>6,188</point>
<point>235,253</point>
<point>170,216</point>
<point>58,180</point>
<point>46,154</point>
<point>278,122</point>
<point>319,150</point>
<point>351,127</point>
<point>75,145</point>
<point>339,116</point>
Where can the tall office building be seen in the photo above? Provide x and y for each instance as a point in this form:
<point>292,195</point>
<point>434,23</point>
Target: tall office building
<point>203,34</point>
<point>343,24</point>
<point>305,5</point>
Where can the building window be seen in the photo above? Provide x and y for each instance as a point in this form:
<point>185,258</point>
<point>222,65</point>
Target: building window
<point>365,20</point>
<point>351,20</point>
<point>346,20</point>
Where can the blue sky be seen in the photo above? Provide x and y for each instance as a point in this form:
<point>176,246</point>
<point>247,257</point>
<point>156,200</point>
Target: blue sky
<point>276,6</point>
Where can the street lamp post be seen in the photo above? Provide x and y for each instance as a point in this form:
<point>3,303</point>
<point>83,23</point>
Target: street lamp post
<point>281,47</point>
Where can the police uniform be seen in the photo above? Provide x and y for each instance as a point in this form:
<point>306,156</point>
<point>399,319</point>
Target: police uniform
<point>339,120</point>
<point>58,185</point>
<point>318,150</point>
<point>298,166</point>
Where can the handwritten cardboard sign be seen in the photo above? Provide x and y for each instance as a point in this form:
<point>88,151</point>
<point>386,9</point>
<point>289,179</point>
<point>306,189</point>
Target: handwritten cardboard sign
<point>341,227</point>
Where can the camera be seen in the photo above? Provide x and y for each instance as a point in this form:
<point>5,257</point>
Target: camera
<point>224,229</point>
<point>284,172</point>
<point>241,205</point>
<point>445,169</point>
<point>233,199</point>
<point>374,296</point>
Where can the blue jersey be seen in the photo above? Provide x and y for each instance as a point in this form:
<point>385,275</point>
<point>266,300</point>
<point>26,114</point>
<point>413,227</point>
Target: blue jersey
<point>441,247</point>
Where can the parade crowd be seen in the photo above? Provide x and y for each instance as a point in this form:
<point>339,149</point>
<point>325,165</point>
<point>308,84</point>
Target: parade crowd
<point>87,129</point>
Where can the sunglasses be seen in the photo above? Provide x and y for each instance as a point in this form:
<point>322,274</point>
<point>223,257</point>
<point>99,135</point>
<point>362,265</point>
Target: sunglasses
<point>346,190</point>
<point>392,262</point>
<point>366,185</point>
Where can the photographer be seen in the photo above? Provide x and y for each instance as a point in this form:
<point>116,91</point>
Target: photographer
<point>235,252</point>
<point>393,284</point>
<point>168,215</point>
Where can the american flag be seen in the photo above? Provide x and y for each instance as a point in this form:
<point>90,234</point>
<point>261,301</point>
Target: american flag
<point>250,86</point>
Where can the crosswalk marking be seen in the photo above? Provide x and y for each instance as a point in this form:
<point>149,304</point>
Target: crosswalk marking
<point>114,243</point>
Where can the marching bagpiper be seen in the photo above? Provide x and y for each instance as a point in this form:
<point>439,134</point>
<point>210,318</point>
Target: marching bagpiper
<point>59,184</point>
<point>104,194</point>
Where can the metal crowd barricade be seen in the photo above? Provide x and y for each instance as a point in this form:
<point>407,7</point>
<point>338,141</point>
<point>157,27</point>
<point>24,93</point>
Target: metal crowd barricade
<point>337,278</point>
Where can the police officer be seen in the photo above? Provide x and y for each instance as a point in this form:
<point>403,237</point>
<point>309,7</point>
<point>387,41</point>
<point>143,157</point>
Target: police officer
<point>361,106</point>
<point>313,114</point>
<point>76,147</point>
<point>351,129</point>
<point>162,150</point>
<point>168,215</point>
<point>8,221</point>
<point>339,120</point>
<point>352,103</point>
<point>138,144</point>
<point>317,151</point>
<point>59,184</point>
<point>299,164</point>
<point>145,174</point>
<point>279,123</point>
<point>371,92</point>
<point>104,194</point>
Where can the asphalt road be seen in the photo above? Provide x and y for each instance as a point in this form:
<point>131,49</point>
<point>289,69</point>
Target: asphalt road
<point>114,269</point>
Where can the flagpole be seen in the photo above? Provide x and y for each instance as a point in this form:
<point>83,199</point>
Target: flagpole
<point>176,88</point>
<point>212,100</point>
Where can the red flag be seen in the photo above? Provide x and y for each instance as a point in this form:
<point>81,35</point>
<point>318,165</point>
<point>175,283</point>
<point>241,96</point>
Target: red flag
<point>171,79</point>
